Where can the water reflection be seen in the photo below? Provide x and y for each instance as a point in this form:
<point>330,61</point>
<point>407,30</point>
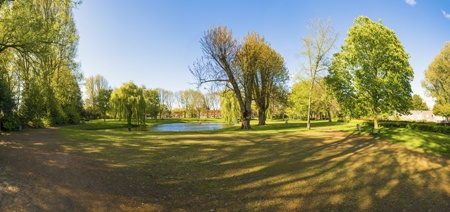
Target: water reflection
<point>188,126</point>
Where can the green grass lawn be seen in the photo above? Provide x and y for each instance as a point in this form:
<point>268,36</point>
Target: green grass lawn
<point>278,167</point>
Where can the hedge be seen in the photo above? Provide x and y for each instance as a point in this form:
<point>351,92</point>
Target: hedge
<point>428,127</point>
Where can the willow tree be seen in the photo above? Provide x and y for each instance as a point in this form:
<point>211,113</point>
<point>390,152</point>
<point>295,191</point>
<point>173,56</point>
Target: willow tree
<point>128,102</point>
<point>372,72</point>
<point>229,106</point>
<point>437,81</point>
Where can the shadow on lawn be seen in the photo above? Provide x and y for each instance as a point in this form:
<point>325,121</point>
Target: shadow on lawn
<point>310,171</point>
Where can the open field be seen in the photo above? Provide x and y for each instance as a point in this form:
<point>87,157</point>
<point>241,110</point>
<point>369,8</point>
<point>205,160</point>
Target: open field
<point>279,167</point>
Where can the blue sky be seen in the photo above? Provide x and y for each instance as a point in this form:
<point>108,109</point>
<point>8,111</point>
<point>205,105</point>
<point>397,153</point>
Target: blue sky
<point>153,42</point>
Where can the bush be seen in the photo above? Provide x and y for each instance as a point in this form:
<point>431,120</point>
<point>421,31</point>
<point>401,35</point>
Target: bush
<point>428,127</point>
<point>10,122</point>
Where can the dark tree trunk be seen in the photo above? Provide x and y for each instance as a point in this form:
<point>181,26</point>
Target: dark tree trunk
<point>261,117</point>
<point>130,113</point>
<point>245,118</point>
<point>329,116</point>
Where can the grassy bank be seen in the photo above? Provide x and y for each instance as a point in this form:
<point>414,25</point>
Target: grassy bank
<point>278,167</point>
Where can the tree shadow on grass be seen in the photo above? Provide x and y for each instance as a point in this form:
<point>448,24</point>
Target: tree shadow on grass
<point>310,171</point>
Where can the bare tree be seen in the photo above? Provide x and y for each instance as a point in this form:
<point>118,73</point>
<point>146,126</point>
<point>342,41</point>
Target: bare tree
<point>317,45</point>
<point>219,66</point>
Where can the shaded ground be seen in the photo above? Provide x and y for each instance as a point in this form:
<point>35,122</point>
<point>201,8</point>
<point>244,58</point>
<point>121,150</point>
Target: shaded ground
<point>40,170</point>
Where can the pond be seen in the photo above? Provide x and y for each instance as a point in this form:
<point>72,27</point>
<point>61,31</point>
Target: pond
<point>188,126</point>
<point>177,127</point>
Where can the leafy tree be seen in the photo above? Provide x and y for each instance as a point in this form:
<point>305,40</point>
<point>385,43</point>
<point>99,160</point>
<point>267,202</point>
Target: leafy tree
<point>7,106</point>
<point>38,43</point>
<point>98,92</point>
<point>418,103</point>
<point>271,76</point>
<point>317,45</point>
<point>229,106</point>
<point>153,101</point>
<point>371,72</point>
<point>128,102</point>
<point>437,81</point>
<point>102,103</point>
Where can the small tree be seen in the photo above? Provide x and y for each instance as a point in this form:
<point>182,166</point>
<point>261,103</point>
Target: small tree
<point>418,103</point>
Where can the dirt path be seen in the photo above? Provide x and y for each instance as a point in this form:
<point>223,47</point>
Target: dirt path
<point>37,174</point>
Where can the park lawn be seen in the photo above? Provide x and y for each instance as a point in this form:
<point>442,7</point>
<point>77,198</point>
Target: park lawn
<point>278,167</point>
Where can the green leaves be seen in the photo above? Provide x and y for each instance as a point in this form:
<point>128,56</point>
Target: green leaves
<point>371,73</point>
<point>437,81</point>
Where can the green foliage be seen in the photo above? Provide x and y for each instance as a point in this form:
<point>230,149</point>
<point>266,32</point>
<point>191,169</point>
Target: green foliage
<point>426,127</point>
<point>251,69</point>
<point>37,54</point>
<point>418,103</point>
<point>128,102</point>
<point>229,106</point>
<point>437,81</point>
<point>152,102</point>
<point>442,109</point>
<point>371,73</point>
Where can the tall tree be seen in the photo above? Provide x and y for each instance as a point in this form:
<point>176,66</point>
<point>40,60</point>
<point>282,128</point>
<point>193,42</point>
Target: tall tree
<point>222,53</point>
<point>316,48</point>
<point>38,43</point>
<point>372,72</point>
<point>98,92</point>
<point>418,103</point>
<point>437,81</point>
<point>270,74</point>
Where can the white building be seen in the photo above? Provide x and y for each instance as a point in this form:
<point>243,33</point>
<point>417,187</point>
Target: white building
<point>422,115</point>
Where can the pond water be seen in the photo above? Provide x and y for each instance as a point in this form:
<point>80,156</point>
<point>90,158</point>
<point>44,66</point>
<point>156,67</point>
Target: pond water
<point>187,126</point>
<point>177,127</point>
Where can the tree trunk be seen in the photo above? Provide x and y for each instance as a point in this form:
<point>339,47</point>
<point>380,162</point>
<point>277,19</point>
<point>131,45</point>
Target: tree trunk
<point>329,116</point>
<point>261,117</point>
<point>130,113</point>
<point>375,121</point>
<point>245,119</point>
<point>308,124</point>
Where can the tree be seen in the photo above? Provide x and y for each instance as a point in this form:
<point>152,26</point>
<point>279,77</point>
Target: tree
<point>222,54</point>
<point>317,45</point>
<point>212,100</point>
<point>271,76</point>
<point>128,102</point>
<point>372,72</point>
<point>153,101</point>
<point>229,106</point>
<point>38,43</point>
<point>418,103</point>
<point>97,89</point>
<point>251,69</point>
<point>102,103</point>
<point>437,81</point>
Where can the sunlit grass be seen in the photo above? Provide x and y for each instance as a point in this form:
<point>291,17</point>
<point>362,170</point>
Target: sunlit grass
<point>274,167</point>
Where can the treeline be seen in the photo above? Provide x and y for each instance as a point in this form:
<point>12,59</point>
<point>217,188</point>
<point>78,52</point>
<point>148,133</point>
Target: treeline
<point>38,73</point>
<point>135,104</point>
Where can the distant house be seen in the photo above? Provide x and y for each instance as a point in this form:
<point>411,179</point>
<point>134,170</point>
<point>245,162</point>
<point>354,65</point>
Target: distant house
<point>422,115</point>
